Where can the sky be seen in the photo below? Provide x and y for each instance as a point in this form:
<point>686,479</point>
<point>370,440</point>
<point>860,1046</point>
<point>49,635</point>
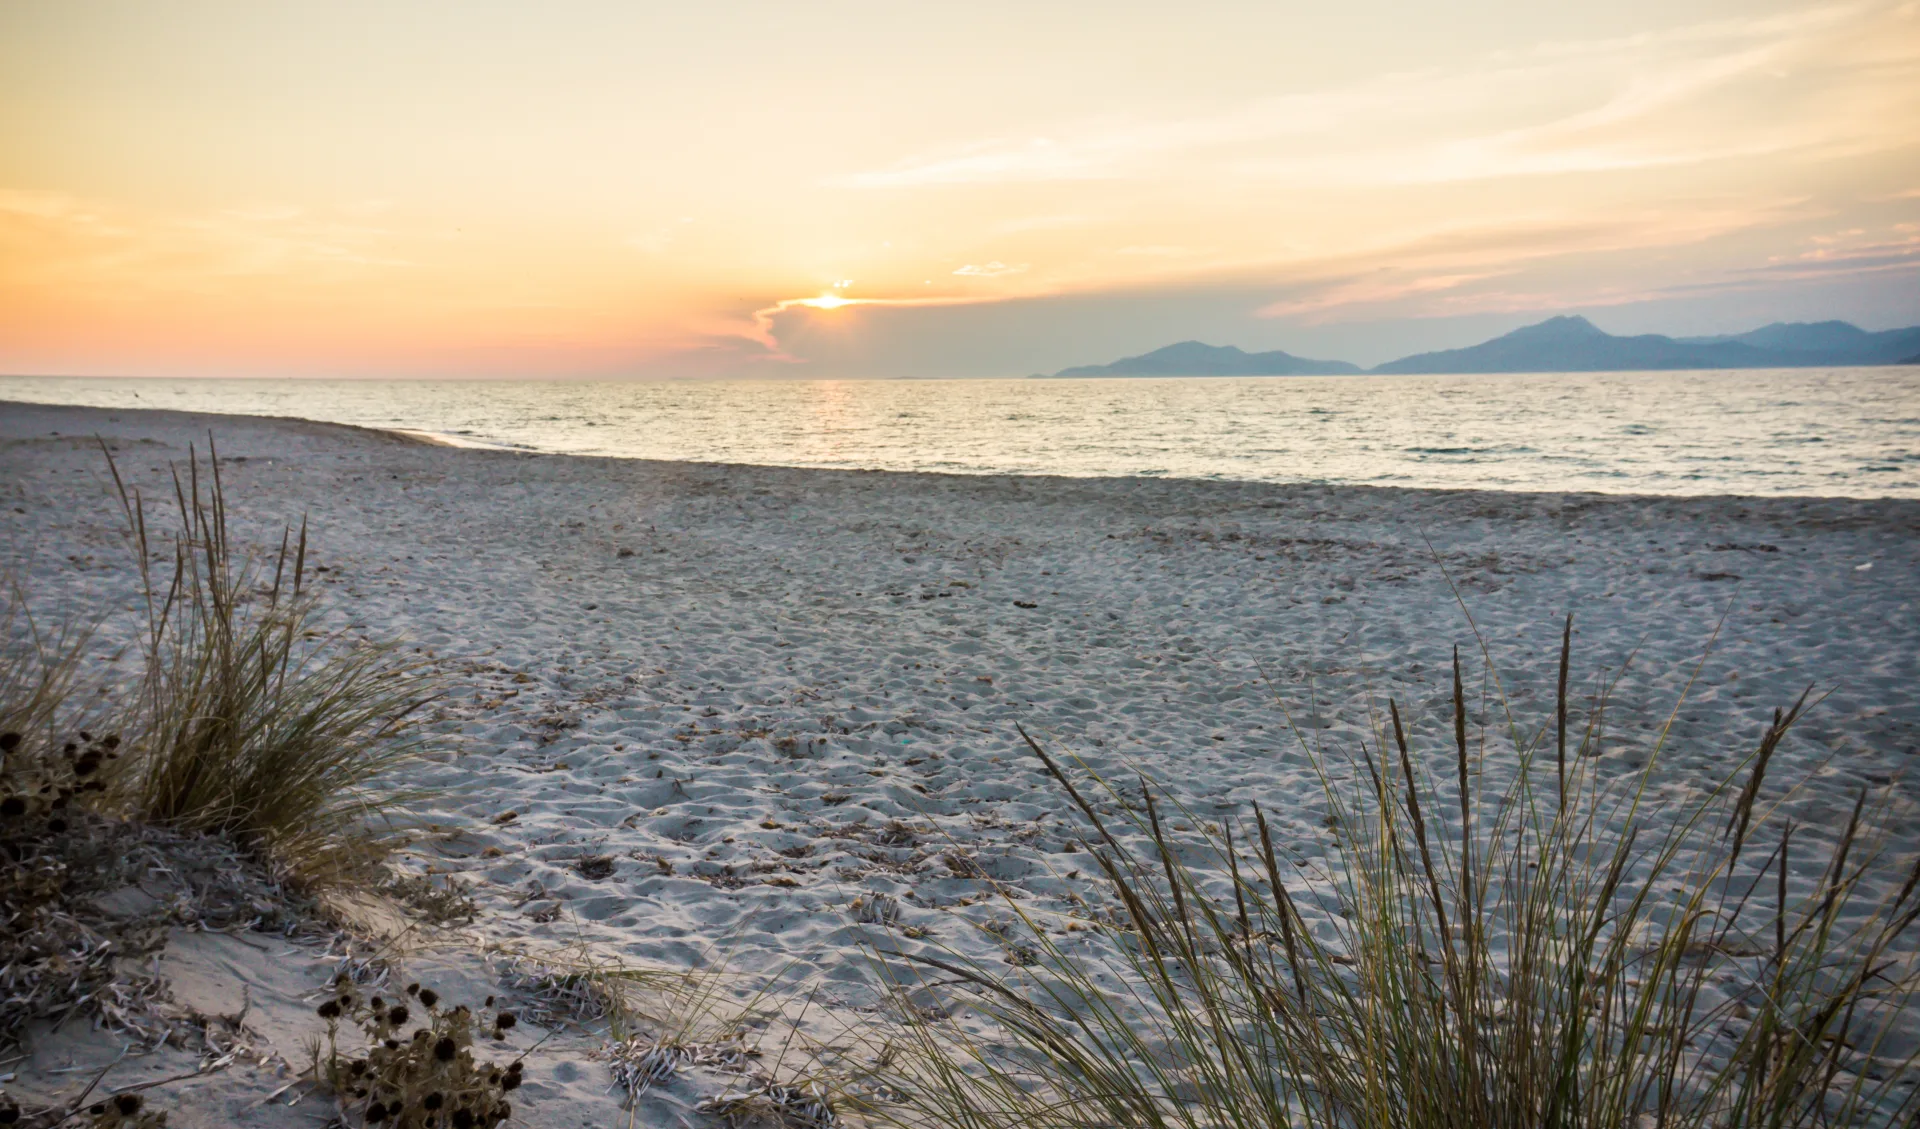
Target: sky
<point>618,188</point>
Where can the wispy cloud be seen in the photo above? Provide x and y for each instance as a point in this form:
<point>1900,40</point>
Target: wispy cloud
<point>993,269</point>
<point>92,244</point>
<point>1678,97</point>
<point>1895,254</point>
<point>1439,268</point>
<point>764,323</point>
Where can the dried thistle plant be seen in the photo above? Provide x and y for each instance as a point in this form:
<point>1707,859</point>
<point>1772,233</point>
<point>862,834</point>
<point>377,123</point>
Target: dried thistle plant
<point>41,786</point>
<point>418,1070</point>
<point>125,1111</point>
<point>51,960</point>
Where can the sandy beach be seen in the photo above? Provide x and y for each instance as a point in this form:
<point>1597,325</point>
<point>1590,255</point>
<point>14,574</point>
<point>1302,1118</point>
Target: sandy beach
<point>703,707</point>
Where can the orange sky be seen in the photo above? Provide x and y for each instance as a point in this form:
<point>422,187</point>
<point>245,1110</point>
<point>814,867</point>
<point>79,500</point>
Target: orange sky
<point>645,189</point>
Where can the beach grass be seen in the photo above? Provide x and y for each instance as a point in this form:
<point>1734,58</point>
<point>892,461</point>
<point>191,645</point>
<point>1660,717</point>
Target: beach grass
<point>244,727</point>
<point>1567,949</point>
<point>252,719</point>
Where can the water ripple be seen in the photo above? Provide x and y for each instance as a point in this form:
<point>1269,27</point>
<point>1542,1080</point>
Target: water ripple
<point>1848,432</point>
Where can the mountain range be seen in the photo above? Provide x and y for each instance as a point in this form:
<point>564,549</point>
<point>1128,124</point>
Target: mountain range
<point>1191,358</point>
<point>1559,344</point>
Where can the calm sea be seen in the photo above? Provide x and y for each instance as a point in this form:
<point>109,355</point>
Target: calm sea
<point>1851,431</point>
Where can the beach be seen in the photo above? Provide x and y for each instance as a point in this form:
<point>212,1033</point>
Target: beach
<point>703,711</point>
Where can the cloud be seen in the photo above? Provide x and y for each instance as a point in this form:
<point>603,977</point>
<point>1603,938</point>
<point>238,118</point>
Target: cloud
<point>1370,291</point>
<point>763,327</point>
<point>1424,272</point>
<point>59,241</point>
<point>1898,254</point>
<point>992,269</point>
<point>660,238</point>
<point>1684,96</point>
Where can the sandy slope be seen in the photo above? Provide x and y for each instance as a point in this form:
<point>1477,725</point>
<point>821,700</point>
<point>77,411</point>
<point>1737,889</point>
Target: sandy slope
<point>763,693</point>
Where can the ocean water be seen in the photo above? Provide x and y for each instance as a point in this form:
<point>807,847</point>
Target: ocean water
<point>1852,432</point>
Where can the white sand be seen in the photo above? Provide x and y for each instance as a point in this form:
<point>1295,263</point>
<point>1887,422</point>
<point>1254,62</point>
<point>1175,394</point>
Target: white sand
<point>733,679</point>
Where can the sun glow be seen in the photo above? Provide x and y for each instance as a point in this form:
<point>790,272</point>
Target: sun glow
<point>622,193</point>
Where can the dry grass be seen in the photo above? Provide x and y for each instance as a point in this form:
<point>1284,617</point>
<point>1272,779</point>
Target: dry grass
<point>252,721</point>
<point>1562,953</point>
<point>246,722</point>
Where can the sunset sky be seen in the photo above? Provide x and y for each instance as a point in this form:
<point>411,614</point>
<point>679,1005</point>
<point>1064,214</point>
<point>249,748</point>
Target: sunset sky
<point>917,189</point>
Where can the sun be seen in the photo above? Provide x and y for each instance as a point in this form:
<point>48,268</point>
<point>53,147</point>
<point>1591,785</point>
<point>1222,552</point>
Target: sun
<point>827,302</point>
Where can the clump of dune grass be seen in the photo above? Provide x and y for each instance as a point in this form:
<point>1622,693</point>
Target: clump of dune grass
<point>64,846</point>
<point>1562,952</point>
<point>252,720</point>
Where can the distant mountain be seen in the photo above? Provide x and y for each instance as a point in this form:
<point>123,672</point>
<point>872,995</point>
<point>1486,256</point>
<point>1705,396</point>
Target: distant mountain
<point>1193,358</point>
<point>1574,344</point>
<point>1559,344</point>
<point>1831,342</point>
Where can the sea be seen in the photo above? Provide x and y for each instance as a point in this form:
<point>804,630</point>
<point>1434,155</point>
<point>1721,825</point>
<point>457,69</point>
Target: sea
<point>1838,432</point>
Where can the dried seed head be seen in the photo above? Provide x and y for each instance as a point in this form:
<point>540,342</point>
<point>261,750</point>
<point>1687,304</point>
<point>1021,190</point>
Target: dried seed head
<point>9,741</point>
<point>434,1100</point>
<point>505,1021</point>
<point>127,1104</point>
<point>398,1015</point>
<point>329,1010</point>
<point>428,997</point>
<point>445,1049</point>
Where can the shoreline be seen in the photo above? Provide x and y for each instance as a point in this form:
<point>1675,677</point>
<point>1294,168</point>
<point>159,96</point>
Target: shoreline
<point>428,438</point>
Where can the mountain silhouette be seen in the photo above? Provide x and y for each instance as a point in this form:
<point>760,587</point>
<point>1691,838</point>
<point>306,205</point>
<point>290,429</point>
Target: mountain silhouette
<point>1826,342</point>
<point>1574,344</point>
<point>1194,358</point>
<point>1559,344</point>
